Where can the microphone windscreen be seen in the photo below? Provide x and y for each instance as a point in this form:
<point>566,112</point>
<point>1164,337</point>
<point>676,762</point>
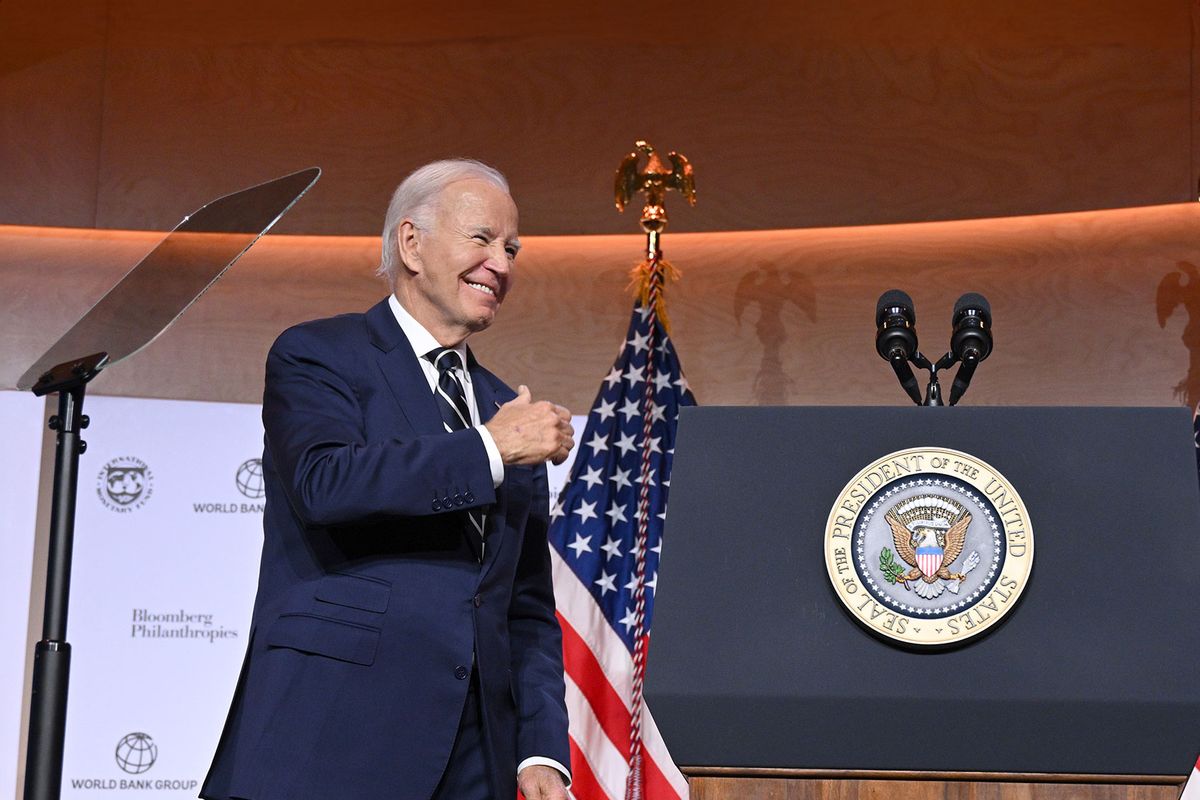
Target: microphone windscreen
<point>892,298</point>
<point>972,300</point>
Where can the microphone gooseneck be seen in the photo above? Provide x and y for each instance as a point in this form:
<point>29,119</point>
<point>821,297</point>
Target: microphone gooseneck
<point>971,341</point>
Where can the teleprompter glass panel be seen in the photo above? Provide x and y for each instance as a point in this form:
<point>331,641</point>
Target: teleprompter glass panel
<point>174,274</point>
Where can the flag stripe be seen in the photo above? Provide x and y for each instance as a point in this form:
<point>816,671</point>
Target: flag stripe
<point>607,765</point>
<point>584,785</point>
<point>607,706</point>
<point>1191,789</point>
<point>586,781</point>
<point>656,751</point>
<point>576,606</point>
<point>596,689</point>
<point>654,783</point>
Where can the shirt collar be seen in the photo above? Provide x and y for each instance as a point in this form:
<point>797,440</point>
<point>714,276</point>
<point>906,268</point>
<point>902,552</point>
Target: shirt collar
<point>422,340</point>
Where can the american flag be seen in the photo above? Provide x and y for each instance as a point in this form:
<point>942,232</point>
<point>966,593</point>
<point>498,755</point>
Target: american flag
<point>1191,788</point>
<point>604,604</point>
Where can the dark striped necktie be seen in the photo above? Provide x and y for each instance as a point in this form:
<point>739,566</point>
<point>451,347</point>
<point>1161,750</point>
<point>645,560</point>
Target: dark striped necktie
<point>456,416</point>
<point>452,400</point>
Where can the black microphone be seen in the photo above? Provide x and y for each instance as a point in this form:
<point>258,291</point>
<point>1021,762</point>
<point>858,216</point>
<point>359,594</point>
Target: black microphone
<point>896,337</point>
<point>972,320</point>
<point>896,320</point>
<point>971,341</point>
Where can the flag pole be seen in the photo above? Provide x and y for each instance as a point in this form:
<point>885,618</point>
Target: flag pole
<point>649,282</point>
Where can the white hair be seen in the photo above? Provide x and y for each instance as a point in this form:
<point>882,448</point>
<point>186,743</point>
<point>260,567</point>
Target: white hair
<point>416,197</point>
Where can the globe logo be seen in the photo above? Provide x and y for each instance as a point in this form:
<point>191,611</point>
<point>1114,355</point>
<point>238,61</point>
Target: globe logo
<point>250,479</point>
<point>136,753</point>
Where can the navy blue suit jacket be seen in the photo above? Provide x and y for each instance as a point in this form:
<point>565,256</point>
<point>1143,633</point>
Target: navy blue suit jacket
<point>370,601</point>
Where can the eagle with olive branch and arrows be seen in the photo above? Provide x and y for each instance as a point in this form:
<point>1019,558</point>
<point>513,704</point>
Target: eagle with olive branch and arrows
<point>929,533</point>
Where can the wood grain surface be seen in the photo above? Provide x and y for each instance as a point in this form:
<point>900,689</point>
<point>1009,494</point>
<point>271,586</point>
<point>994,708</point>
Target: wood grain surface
<point>759,318</point>
<point>51,111</point>
<point>797,115</point>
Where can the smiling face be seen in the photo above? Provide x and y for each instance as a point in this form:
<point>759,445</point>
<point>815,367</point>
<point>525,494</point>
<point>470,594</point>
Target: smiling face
<point>456,272</point>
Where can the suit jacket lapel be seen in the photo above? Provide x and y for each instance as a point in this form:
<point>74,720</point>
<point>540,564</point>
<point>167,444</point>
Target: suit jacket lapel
<point>402,372</point>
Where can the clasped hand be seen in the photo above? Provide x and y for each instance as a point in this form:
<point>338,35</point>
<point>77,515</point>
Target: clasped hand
<point>528,432</point>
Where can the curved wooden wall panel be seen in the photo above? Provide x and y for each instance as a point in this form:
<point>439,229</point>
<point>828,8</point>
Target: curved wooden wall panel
<point>51,106</point>
<point>770,317</point>
<point>797,116</point>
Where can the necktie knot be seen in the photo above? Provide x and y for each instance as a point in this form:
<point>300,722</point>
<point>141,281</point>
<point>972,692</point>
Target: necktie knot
<point>445,359</point>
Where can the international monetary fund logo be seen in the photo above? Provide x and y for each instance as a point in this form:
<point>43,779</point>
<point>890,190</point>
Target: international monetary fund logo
<point>125,484</point>
<point>929,546</point>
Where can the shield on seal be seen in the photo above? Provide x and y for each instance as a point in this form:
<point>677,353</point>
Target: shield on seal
<point>929,559</point>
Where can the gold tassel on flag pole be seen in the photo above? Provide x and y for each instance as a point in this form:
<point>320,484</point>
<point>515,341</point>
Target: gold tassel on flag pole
<point>649,281</point>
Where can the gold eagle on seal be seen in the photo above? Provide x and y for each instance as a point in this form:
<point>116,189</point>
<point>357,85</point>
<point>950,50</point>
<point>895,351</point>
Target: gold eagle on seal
<point>929,533</point>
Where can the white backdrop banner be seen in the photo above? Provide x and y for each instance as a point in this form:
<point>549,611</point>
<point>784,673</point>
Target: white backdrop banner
<point>168,538</point>
<point>22,419</point>
<point>557,475</point>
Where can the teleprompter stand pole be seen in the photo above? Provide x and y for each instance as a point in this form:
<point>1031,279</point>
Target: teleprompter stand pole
<point>52,655</point>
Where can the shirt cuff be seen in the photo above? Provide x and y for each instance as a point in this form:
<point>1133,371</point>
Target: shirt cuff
<point>546,762</point>
<point>493,453</point>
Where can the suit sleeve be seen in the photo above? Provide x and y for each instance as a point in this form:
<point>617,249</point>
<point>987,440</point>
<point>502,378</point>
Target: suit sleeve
<point>536,640</point>
<point>316,435</point>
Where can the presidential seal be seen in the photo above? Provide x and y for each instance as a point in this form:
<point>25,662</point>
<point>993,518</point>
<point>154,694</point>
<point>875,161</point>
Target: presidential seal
<point>929,547</point>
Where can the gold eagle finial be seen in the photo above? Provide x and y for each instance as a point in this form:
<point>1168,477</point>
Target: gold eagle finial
<point>655,179</point>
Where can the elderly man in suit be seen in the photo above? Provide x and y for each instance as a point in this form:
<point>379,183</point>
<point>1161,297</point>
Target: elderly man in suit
<point>404,643</point>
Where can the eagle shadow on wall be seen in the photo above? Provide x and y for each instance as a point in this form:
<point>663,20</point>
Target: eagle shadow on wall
<point>1182,288</point>
<point>772,290</point>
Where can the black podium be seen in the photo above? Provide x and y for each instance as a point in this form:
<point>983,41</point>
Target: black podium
<point>754,662</point>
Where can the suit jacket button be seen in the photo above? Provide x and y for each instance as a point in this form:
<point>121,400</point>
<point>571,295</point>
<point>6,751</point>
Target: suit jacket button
<point>459,501</point>
<point>461,672</point>
<point>477,600</point>
<point>470,498</point>
<point>437,506</point>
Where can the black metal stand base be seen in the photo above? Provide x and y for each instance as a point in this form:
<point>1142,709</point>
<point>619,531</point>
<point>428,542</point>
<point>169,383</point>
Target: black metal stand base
<point>47,720</point>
